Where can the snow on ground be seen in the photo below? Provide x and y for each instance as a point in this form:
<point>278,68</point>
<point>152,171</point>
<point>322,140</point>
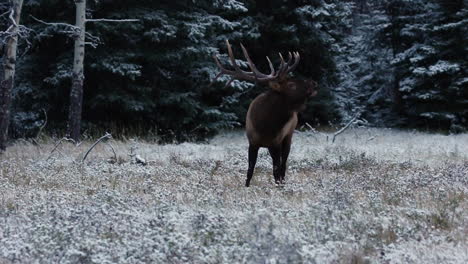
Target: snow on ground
<point>372,196</point>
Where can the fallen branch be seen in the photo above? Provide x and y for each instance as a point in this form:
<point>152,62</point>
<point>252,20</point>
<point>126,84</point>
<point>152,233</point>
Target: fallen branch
<point>345,127</point>
<point>113,151</point>
<point>106,136</point>
<point>140,160</point>
<point>310,132</point>
<point>310,127</point>
<point>58,144</point>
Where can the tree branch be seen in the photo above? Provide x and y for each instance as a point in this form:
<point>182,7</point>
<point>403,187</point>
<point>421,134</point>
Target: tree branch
<point>76,29</point>
<point>72,30</point>
<point>14,30</point>
<point>3,14</point>
<point>111,20</point>
<point>11,17</point>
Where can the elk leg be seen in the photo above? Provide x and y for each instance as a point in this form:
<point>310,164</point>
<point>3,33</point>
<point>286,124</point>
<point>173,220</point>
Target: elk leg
<point>285,148</point>
<point>253,153</point>
<point>275,153</point>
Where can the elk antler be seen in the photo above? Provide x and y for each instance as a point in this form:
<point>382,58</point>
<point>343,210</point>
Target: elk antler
<point>255,75</point>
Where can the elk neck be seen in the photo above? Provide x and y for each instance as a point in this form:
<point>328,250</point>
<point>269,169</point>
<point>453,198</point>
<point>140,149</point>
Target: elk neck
<point>287,106</point>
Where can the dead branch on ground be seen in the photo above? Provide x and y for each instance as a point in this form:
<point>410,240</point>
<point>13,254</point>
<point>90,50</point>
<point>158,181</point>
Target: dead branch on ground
<point>106,136</point>
<point>58,144</point>
<point>345,127</point>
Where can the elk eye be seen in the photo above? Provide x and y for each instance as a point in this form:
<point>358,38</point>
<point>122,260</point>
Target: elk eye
<point>292,86</point>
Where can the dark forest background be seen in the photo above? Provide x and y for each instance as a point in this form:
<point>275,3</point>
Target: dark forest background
<point>395,63</point>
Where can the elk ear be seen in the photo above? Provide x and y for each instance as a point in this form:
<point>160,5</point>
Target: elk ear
<point>275,86</point>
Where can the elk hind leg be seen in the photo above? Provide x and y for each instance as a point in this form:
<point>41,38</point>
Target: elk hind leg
<point>275,153</point>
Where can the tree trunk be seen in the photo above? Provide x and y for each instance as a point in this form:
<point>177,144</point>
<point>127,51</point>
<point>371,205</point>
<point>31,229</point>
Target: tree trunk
<point>394,11</point>
<point>76,92</point>
<point>7,80</point>
<point>396,93</point>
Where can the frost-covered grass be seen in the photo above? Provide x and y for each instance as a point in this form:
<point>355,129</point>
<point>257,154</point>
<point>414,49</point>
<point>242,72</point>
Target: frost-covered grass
<point>373,196</point>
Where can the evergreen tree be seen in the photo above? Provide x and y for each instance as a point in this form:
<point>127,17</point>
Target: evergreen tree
<point>366,74</point>
<point>406,64</point>
<point>159,72</point>
<point>434,66</point>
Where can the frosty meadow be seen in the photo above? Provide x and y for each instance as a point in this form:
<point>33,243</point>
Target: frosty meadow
<point>373,196</point>
<point>364,184</point>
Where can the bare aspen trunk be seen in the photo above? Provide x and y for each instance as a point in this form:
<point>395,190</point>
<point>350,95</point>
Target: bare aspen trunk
<point>7,80</point>
<point>76,92</point>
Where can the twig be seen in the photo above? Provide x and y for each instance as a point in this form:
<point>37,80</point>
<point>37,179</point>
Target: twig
<point>310,127</point>
<point>345,127</point>
<point>113,150</point>
<point>58,144</point>
<point>35,143</point>
<point>309,132</point>
<point>106,136</point>
<point>5,13</point>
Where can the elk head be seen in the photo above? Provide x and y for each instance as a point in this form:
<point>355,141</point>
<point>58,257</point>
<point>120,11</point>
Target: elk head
<point>272,116</point>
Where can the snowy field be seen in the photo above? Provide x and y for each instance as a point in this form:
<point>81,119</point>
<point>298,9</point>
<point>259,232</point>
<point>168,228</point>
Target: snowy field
<point>373,196</point>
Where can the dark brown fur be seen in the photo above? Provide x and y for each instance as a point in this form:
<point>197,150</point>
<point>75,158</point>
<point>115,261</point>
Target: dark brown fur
<point>271,120</point>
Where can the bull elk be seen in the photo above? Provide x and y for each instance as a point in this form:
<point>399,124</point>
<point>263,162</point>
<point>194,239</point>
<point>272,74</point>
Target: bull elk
<point>272,116</point>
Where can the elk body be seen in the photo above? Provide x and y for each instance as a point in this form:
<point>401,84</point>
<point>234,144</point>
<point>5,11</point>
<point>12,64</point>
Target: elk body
<point>272,116</point>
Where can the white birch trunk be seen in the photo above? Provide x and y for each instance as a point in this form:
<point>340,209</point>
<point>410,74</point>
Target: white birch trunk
<point>7,80</point>
<point>76,92</point>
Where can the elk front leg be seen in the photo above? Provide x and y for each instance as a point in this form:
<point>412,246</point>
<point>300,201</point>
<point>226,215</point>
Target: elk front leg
<point>285,148</point>
<point>275,153</point>
<point>253,153</point>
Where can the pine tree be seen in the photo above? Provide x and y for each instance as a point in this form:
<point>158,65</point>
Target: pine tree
<point>434,66</point>
<point>364,63</point>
